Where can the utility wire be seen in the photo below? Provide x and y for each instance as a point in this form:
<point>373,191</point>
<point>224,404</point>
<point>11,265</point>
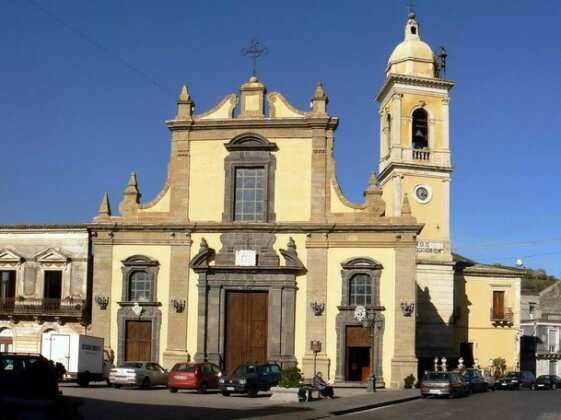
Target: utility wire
<point>516,229</point>
<point>101,47</point>
<point>510,245</point>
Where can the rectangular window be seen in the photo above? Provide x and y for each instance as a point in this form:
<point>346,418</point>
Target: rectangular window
<point>553,340</point>
<point>360,290</point>
<point>498,310</point>
<point>140,287</point>
<point>8,284</point>
<point>249,195</point>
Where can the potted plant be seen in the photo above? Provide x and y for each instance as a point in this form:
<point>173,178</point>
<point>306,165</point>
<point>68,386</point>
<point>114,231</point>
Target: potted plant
<point>290,388</point>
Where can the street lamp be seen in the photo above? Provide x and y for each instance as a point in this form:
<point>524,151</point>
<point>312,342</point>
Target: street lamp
<point>370,319</point>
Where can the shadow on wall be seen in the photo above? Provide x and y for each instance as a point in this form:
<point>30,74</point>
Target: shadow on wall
<point>432,329</point>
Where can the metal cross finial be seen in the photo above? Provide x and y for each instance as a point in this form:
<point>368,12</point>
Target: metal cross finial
<point>254,51</point>
<point>410,9</point>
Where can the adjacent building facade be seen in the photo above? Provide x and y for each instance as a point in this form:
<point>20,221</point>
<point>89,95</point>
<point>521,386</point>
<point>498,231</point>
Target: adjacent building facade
<point>45,284</point>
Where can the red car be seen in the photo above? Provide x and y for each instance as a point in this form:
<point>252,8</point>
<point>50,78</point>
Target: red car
<point>199,376</point>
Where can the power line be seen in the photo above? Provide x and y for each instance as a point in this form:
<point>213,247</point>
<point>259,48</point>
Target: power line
<point>101,47</point>
<point>509,245</point>
<point>517,229</point>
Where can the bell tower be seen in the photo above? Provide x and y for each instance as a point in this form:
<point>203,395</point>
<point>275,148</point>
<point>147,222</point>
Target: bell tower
<point>415,168</point>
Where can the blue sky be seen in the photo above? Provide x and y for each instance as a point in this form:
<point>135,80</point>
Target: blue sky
<point>85,88</point>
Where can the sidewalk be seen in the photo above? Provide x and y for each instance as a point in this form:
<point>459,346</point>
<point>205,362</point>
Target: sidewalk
<point>347,400</point>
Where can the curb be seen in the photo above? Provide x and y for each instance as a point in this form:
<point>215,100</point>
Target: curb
<point>373,405</point>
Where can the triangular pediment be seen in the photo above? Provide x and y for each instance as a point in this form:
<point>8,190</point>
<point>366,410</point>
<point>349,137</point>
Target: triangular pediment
<point>8,257</point>
<point>52,255</point>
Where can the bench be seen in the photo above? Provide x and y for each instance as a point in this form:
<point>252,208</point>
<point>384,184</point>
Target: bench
<point>310,390</point>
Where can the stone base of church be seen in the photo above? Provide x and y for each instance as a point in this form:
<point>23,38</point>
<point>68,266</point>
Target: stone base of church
<point>171,357</point>
<point>322,364</point>
<point>404,372</point>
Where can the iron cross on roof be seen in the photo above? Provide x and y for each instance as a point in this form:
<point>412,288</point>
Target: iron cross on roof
<point>254,51</point>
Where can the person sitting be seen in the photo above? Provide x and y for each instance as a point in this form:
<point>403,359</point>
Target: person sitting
<point>324,388</point>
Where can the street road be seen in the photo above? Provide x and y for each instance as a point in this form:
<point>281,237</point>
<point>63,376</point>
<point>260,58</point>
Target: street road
<point>499,405</point>
<point>101,402</point>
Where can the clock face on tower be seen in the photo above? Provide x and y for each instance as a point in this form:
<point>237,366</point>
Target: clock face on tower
<point>422,193</point>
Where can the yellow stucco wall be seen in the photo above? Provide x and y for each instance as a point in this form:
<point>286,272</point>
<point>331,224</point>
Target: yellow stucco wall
<point>162,255</point>
<point>433,213</point>
<point>206,184</point>
<point>293,178</point>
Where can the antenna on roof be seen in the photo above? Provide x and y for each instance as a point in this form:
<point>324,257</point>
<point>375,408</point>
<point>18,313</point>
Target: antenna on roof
<point>440,61</point>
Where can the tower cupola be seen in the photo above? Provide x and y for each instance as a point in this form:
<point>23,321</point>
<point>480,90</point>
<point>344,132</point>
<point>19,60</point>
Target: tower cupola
<point>412,56</point>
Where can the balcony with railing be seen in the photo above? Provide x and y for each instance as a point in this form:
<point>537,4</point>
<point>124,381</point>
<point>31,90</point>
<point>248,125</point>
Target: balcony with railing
<point>421,154</point>
<point>16,308</point>
<point>502,316</point>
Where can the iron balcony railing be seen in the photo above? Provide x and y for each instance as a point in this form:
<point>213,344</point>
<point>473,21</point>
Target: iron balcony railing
<point>45,307</point>
<point>506,315</point>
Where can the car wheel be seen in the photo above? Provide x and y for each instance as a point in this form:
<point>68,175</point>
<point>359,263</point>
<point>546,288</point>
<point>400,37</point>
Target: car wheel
<point>252,391</point>
<point>145,383</point>
<point>108,383</point>
<point>225,393</point>
<point>424,396</point>
<point>203,388</point>
<point>117,386</point>
<point>172,390</point>
<point>451,395</point>
<point>553,387</point>
<point>533,387</point>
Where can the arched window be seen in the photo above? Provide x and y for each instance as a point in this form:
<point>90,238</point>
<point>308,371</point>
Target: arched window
<point>360,290</point>
<point>420,130</point>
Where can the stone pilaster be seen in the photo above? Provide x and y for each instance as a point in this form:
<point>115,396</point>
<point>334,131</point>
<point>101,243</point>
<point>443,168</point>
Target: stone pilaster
<point>102,279</point>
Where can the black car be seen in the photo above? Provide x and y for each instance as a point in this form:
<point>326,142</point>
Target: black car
<point>28,375</point>
<point>474,380</point>
<point>516,380</point>
<point>250,379</point>
<point>547,382</point>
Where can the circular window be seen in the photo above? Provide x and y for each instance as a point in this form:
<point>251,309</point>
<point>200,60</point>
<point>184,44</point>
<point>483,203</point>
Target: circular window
<point>422,193</point>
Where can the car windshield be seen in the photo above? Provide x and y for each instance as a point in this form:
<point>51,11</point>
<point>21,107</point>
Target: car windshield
<point>184,367</point>
<point>133,365</point>
<point>436,377</point>
<point>245,370</point>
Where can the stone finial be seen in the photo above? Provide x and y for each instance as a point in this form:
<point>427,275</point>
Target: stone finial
<point>319,101</point>
<point>373,197</point>
<point>406,207</point>
<point>185,105</point>
<point>204,245</point>
<point>104,207</point>
<point>131,196</point>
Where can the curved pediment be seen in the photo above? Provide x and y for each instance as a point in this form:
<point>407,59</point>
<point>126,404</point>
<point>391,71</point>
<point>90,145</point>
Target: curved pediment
<point>249,141</point>
<point>139,260</point>
<point>361,262</point>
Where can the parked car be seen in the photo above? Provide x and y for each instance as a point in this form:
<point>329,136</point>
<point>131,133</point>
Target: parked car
<point>28,375</point>
<point>199,376</point>
<point>250,379</point>
<point>490,380</point>
<point>547,382</point>
<point>516,380</point>
<point>474,381</point>
<point>142,374</point>
<point>447,384</point>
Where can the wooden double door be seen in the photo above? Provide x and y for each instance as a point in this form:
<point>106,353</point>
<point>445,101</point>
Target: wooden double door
<point>138,346</point>
<point>246,329</point>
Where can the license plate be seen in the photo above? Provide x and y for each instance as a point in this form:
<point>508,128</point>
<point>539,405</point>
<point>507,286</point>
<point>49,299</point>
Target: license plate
<point>434,391</point>
<point>230,388</point>
<point>181,377</point>
<point>541,385</point>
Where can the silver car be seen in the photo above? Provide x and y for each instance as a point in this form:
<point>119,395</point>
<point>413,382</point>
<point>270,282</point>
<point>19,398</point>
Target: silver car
<point>142,374</point>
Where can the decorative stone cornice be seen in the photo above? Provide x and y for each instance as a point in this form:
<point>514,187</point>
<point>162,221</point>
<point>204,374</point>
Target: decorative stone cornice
<point>393,78</point>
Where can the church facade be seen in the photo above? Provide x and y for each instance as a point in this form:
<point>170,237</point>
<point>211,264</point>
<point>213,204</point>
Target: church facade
<point>251,252</point>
